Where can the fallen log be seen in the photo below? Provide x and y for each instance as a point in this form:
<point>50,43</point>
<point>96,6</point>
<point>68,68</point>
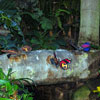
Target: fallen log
<point>34,65</point>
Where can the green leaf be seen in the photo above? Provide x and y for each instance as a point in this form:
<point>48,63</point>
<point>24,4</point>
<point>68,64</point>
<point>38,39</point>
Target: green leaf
<point>30,98</point>
<point>59,23</point>
<point>8,23</point>
<point>98,94</point>
<point>61,42</point>
<point>5,99</point>
<point>46,24</point>
<point>9,73</point>
<point>8,86</point>
<point>2,75</point>
<point>39,12</point>
<point>58,12</point>
<point>38,35</point>
<point>35,41</point>
<point>2,82</point>
<point>35,15</point>
<point>55,45</point>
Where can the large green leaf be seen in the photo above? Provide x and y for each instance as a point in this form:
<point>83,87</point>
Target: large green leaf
<point>4,99</point>
<point>34,15</point>
<point>9,73</point>
<point>2,82</point>
<point>59,22</point>
<point>46,24</point>
<point>59,11</point>
<point>2,75</point>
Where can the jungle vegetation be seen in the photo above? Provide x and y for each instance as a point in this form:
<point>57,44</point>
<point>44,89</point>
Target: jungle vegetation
<point>40,24</point>
<point>48,24</point>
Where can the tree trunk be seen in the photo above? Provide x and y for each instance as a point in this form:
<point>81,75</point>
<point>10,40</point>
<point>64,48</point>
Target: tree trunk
<point>89,26</point>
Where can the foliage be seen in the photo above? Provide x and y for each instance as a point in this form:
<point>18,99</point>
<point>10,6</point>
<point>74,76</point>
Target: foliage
<point>43,41</point>
<point>49,16</point>
<point>64,9</point>
<point>8,6</point>
<point>39,17</point>
<point>11,23</point>
<point>40,37</point>
<point>46,24</point>
<point>58,14</point>
<point>9,90</point>
<point>97,91</point>
<point>95,47</point>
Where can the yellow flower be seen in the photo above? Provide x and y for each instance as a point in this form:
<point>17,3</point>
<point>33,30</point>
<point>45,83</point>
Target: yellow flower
<point>98,89</point>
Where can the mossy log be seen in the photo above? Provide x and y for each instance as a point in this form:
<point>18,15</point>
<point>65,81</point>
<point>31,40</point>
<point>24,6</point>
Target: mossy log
<point>35,65</point>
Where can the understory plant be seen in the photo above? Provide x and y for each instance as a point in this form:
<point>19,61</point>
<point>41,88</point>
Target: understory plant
<point>32,23</point>
<point>43,41</point>
<point>11,91</point>
<point>9,28</point>
<point>39,37</point>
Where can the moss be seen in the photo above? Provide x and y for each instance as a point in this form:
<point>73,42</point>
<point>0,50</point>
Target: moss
<point>69,71</point>
<point>81,94</point>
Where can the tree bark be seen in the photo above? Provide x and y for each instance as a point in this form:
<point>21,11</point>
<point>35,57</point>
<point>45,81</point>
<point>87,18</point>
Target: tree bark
<point>89,26</point>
